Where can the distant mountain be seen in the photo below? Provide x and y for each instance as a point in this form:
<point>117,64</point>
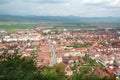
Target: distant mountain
<point>59,18</point>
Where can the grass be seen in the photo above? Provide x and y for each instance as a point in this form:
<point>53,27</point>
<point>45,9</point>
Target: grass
<point>77,45</point>
<point>18,26</point>
<point>12,31</point>
<point>14,27</point>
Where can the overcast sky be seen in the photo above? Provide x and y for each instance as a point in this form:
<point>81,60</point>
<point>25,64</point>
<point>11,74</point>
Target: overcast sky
<point>82,8</point>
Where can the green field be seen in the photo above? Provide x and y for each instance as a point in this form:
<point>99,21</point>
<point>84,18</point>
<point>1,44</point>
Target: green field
<point>14,27</point>
<point>18,26</point>
<point>10,31</point>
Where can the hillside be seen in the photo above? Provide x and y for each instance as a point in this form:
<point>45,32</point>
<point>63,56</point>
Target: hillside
<point>59,18</point>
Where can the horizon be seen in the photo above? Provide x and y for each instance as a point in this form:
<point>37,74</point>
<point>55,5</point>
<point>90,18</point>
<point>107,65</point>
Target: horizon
<point>60,16</point>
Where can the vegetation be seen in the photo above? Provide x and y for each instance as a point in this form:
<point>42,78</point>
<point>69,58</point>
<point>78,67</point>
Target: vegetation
<point>103,43</point>
<point>54,73</point>
<point>18,26</point>
<point>11,31</point>
<point>16,67</point>
<point>56,39</point>
<point>80,77</point>
<point>77,45</point>
<point>83,69</point>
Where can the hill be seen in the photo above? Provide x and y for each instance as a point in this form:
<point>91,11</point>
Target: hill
<point>59,18</point>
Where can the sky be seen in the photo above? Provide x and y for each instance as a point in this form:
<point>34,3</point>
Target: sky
<point>82,8</point>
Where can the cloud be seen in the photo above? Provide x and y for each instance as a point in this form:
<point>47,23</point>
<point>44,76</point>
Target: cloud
<point>103,3</point>
<point>4,1</point>
<point>46,1</point>
<point>85,8</point>
<point>34,1</point>
<point>91,2</point>
<point>114,4</point>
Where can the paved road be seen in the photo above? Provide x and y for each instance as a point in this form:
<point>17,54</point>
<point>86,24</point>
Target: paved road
<point>53,53</point>
<point>23,48</point>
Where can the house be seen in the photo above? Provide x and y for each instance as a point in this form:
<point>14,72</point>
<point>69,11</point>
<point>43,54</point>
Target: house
<point>68,71</point>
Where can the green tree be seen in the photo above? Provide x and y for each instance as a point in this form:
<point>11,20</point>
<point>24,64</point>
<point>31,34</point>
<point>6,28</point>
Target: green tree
<point>54,73</point>
<point>16,67</point>
<point>76,76</point>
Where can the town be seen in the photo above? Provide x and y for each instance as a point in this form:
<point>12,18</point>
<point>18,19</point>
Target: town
<point>81,50</point>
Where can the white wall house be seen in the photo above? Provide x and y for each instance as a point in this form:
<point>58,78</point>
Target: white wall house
<point>59,59</point>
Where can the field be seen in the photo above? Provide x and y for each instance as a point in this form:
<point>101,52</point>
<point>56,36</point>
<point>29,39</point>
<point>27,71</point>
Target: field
<point>13,27</point>
<point>18,26</point>
<point>28,25</point>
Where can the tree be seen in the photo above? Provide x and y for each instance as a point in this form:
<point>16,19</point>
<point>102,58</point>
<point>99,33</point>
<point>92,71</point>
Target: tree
<point>16,67</point>
<point>54,73</point>
<point>76,76</point>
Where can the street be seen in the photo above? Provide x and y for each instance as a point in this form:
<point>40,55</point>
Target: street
<point>53,53</point>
